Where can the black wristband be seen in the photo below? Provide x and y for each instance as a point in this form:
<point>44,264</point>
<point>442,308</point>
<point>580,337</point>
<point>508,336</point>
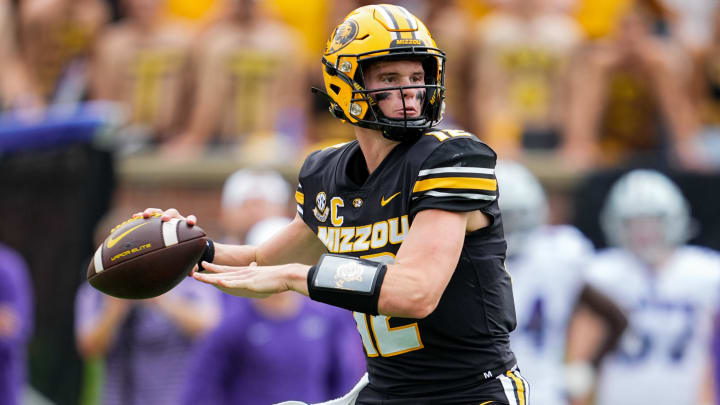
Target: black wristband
<point>347,282</point>
<point>208,254</point>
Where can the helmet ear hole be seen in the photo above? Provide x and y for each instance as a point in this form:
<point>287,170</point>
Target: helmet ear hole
<point>335,88</point>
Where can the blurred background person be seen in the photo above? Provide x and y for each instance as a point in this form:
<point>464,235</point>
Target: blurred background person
<point>251,90</point>
<point>16,324</point>
<point>57,38</point>
<point>548,264</point>
<point>519,96</point>
<point>450,24</point>
<point>141,63</point>
<point>145,344</point>
<point>16,90</point>
<point>249,196</point>
<point>275,349</point>
<point>669,291</point>
<point>629,96</point>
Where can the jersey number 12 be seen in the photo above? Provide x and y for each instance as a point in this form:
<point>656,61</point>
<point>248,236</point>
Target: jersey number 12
<point>388,341</point>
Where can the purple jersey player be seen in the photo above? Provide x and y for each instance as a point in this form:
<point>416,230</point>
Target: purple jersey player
<point>254,358</point>
<point>15,324</point>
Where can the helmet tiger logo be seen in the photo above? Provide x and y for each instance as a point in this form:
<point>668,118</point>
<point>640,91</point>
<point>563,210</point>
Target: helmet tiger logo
<point>343,35</point>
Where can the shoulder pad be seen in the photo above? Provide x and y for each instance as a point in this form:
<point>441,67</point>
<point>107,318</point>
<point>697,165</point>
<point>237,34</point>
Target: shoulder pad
<point>320,159</point>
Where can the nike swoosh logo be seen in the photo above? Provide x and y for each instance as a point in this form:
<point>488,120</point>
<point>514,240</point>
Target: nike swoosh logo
<point>383,201</point>
<point>112,241</point>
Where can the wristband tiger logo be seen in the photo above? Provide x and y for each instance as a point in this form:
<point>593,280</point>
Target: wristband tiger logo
<point>346,273</point>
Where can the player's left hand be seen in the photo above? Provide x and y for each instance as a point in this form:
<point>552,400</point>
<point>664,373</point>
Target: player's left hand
<point>255,281</point>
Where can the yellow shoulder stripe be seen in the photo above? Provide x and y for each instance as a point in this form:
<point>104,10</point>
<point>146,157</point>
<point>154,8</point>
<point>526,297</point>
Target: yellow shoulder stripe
<point>300,197</point>
<point>456,182</point>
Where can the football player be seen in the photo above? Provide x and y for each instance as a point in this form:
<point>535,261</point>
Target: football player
<point>547,263</point>
<point>401,226</point>
<point>669,291</point>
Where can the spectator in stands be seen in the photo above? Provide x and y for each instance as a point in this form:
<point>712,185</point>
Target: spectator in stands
<point>521,54</point>
<point>141,62</point>
<point>56,39</point>
<point>16,90</point>
<point>628,96</point>
<point>451,26</point>
<point>16,321</point>
<point>249,196</point>
<point>274,349</point>
<point>146,344</point>
<point>251,93</point>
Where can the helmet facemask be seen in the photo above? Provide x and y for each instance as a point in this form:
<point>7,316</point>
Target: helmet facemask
<point>383,33</point>
<point>397,129</point>
<point>431,94</point>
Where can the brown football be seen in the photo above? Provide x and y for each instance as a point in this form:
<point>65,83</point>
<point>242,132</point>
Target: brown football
<point>144,258</point>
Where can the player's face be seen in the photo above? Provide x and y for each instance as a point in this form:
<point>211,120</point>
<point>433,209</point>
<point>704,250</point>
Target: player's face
<point>645,238</point>
<point>392,74</point>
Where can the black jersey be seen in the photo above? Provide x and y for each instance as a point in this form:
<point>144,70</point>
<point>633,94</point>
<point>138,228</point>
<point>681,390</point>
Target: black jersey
<point>466,337</point>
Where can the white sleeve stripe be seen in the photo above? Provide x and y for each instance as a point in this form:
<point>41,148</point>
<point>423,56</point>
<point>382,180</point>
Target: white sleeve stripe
<point>299,209</point>
<point>169,232</point>
<point>434,193</point>
<point>478,170</point>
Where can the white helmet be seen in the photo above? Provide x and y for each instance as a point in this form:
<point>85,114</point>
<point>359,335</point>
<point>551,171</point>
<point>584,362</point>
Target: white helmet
<point>522,202</point>
<point>651,195</point>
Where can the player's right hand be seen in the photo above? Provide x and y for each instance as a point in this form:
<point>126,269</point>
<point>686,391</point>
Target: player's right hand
<point>166,215</point>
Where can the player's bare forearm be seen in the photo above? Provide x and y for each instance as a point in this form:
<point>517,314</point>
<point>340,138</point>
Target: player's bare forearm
<point>296,243</point>
<point>279,264</point>
<point>234,255</point>
<point>424,264</point>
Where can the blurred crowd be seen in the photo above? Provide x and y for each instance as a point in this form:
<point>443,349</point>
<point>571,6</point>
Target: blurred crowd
<point>592,83</point>
<point>582,85</point>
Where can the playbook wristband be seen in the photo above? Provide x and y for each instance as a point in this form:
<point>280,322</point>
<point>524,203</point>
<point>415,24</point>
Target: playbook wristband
<point>347,282</point>
<point>208,254</point>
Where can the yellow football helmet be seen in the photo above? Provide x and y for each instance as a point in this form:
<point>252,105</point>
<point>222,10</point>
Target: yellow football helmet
<point>374,33</point>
